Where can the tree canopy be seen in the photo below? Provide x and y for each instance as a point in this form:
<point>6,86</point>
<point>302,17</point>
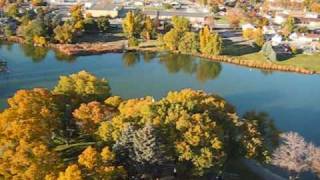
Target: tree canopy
<point>103,137</point>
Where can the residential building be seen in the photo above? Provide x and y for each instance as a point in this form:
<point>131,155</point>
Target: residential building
<point>102,9</point>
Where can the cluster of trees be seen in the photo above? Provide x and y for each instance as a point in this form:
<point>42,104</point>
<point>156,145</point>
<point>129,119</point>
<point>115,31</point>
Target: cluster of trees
<point>180,38</point>
<point>39,25</point>
<point>296,155</point>
<point>79,130</point>
<point>254,34</point>
<point>136,26</point>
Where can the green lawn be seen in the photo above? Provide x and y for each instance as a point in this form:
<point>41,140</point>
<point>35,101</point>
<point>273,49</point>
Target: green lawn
<point>311,62</point>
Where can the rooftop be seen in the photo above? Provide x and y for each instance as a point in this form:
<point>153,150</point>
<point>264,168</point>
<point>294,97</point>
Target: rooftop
<point>176,13</point>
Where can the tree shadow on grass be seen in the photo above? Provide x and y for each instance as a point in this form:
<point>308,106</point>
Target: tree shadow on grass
<point>238,49</point>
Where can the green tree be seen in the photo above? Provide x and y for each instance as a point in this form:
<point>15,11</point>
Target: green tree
<point>181,24</point>
<point>8,31</point>
<point>32,29</point>
<point>11,10</point>
<point>90,25</point>
<point>189,43</point>
<point>103,23</point>
<point>64,34</point>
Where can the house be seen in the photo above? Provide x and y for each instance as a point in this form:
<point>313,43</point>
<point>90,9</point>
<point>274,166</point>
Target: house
<point>102,9</point>
<point>276,40</point>
<point>197,19</point>
<point>269,30</point>
<point>301,40</point>
<point>280,18</point>
<point>248,26</point>
<point>65,2</point>
<point>311,23</point>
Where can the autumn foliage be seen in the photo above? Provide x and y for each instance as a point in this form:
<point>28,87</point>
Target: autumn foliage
<point>103,137</point>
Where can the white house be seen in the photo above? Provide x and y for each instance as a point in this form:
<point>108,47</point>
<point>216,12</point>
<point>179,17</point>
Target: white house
<point>248,26</point>
<point>268,30</point>
<point>276,40</point>
<point>301,39</point>
<point>311,15</point>
<point>280,18</point>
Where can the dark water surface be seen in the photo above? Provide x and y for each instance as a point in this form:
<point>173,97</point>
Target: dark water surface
<point>292,100</point>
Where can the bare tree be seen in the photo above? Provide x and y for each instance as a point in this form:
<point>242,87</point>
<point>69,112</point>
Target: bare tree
<point>292,154</point>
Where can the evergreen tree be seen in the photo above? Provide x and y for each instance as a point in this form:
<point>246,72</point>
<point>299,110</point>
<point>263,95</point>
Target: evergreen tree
<point>140,149</point>
<point>147,150</point>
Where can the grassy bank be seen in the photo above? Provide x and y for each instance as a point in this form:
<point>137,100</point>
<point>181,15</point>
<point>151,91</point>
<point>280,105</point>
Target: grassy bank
<point>310,62</point>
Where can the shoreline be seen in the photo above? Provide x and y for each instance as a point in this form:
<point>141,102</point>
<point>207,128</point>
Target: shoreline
<point>86,49</point>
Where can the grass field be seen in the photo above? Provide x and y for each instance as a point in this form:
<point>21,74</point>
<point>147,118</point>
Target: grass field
<point>310,62</point>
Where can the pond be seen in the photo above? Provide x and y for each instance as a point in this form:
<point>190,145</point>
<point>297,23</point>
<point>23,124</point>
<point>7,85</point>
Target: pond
<point>292,100</point>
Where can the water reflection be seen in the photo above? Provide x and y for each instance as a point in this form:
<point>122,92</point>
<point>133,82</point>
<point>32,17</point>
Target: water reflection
<point>208,70</point>
<point>37,54</point>
<point>175,63</point>
<point>130,58</point>
<point>63,57</point>
<point>148,56</point>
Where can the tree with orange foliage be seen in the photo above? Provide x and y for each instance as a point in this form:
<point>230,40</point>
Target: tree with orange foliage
<point>234,18</point>
<point>315,7</point>
<point>26,128</point>
<point>89,116</point>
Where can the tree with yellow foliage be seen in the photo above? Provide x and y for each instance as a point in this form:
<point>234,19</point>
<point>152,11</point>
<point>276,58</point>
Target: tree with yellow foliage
<point>196,138</point>
<point>100,165</point>
<point>204,36</point>
<point>132,24</point>
<point>39,41</point>
<point>148,29</point>
<point>187,129</point>
<point>248,34</point>
<point>82,87</point>
<point>76,13</point>
<point>171,40</point>
<point>72,173</point>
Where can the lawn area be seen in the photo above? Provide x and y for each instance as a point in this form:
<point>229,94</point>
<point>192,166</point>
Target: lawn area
<point>221,20</point>
<point>311,62</point>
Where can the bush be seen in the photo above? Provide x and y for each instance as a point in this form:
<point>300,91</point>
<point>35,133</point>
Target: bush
<point>132,42</point>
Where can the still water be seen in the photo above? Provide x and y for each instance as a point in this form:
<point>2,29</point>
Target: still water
<point>292,100</point>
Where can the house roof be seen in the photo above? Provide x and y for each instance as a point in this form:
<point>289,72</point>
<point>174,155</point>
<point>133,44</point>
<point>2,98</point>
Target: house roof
<point>177,13</point>
<point>103,5</point>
